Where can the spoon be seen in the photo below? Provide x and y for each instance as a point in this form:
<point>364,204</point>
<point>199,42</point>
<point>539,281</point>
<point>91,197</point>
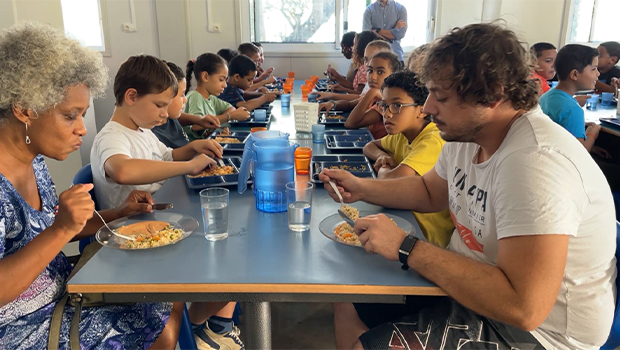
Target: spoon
<point>113,231</point>
<point>344,216</point>
<point>220,162</point>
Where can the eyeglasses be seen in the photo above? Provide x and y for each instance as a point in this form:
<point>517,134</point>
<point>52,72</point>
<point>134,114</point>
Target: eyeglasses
<point>393,107</point>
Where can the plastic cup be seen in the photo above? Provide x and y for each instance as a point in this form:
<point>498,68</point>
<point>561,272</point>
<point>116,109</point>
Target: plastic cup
<point>299,205</point>
<point>305,90</point>
<point>302,160</point>
<point>214,203</point>
<point>290,80</point>
<point>285,99</point>
<point>607,98</point>
<point>260,115</point>
<point>592,102</point>
<point>291,75</point>
<point>258,129</point>
<point>318,133</point>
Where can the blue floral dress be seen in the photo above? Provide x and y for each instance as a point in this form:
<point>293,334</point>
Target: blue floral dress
<point>25,322</point>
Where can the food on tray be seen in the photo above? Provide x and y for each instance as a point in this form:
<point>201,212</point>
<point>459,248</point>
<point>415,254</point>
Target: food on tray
<point>334,116</point>
<point>226,139</point>
<point>349,167</point>
<point>149,234</point>
<point>215,171</point>
<point>225,132</point>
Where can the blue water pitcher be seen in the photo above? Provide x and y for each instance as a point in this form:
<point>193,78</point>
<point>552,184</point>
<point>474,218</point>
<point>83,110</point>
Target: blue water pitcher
<point>272,159</point>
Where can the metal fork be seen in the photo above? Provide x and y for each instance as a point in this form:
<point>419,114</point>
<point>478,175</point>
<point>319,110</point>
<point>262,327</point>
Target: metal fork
<point>113,231</point>
<point>342,214</point>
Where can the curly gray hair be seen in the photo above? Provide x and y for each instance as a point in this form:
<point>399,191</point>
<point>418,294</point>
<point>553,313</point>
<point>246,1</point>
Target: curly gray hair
<point>38,63</point>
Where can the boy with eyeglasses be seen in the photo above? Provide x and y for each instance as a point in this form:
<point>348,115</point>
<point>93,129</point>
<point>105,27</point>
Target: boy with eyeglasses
<point>412,146</point>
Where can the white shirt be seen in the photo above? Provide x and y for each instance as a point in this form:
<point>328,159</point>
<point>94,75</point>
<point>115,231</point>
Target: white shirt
<point>114,139</point>
<point>541,180</point>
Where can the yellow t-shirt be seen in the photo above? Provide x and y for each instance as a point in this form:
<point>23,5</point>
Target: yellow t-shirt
<point>421,156</point>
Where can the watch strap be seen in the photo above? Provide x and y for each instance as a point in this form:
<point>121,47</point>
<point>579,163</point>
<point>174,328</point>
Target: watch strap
<point>405,249</point>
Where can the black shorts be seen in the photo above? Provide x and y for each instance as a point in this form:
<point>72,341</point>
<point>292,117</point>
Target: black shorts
<point>437,323</point>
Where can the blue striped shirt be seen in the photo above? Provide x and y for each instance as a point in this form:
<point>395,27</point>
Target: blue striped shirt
<point>385,17</point>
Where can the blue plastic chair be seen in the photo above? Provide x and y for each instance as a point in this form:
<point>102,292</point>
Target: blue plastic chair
<point>614,336</point>
<point>186,334</point>
<point>85,176</point>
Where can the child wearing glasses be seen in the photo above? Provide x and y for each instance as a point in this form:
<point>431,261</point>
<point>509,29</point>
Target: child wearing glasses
<point>412,146</point>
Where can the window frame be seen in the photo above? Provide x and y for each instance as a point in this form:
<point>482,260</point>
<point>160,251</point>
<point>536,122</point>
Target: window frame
<point>568,19</point>
<point>103,21</point>
<point>316,49</point>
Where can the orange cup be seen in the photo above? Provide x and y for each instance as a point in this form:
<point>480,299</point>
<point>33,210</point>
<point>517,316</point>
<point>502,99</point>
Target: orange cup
<point>309,81</point>
<point>290,80</point>
<point>291,75</point>
<point>305,90</point>
<point>302,160</point>
<point>315,79</point>
<point>258,129</point>
<point>287,88</point>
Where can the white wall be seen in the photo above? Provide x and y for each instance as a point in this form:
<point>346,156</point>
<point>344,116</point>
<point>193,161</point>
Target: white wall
<point>123,45</point>
<point>535,20</point>
<point>532,20</point>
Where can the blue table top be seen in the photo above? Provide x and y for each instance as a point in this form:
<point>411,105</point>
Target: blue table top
<point>260,256</point>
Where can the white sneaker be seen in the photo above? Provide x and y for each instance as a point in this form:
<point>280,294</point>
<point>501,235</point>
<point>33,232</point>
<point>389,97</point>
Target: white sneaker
<point>206,339</point>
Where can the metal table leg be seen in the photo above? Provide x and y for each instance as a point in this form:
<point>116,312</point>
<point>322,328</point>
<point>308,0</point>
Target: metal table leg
<point>257,319</point>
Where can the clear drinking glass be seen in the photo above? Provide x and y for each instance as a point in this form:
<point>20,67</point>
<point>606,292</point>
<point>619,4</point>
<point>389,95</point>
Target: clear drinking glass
<point>299,204</point>
<point>214,202</point>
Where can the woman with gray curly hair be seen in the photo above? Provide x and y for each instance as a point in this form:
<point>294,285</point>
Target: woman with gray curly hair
<point>46,82</point>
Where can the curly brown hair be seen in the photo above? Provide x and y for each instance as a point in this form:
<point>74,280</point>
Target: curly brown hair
<point>486,63</point>
<point>362,39</point>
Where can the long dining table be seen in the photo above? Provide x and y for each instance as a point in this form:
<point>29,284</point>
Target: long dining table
<point>259,263</point>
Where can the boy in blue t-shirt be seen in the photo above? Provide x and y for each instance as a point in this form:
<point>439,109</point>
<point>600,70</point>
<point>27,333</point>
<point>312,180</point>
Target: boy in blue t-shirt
<point>576,67</point>
<point>241,73</point>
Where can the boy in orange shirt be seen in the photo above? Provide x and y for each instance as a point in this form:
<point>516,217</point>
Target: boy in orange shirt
<point>545,59</point>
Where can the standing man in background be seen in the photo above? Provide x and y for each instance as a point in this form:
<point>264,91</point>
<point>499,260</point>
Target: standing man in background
<point>389,20</point>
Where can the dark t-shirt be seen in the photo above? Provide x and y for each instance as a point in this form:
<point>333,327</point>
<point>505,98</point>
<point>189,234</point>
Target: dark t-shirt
<point>171,134</point>
<point>613,73</point>
<point>232,95</point>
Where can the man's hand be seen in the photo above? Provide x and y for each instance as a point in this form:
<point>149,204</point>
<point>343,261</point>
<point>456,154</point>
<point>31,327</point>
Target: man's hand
<point>378,234</point>
<point>209,147</point>
<point>271,79</point>
<point>400,24</point>
<point>262,89</point>
<point>349,186</point>
<point>210,122</point>
<point>137,202</point>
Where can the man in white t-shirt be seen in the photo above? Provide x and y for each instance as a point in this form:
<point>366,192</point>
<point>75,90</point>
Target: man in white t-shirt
<point>531,263</point>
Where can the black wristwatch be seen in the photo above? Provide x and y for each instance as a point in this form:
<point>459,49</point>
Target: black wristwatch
<point>377,30</point>
<point>405,249</point>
